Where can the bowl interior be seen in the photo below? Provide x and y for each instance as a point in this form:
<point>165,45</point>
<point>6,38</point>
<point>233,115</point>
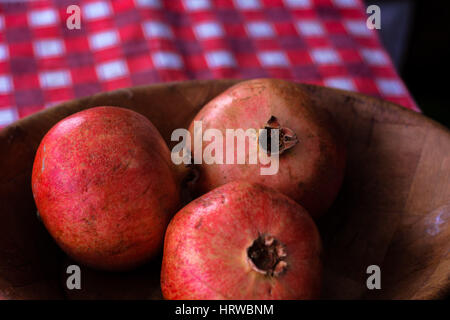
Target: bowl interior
<point>392,210</point>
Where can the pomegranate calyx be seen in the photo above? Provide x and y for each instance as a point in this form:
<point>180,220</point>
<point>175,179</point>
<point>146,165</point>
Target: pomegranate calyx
<point>267,256</point>
<point>287,137</point>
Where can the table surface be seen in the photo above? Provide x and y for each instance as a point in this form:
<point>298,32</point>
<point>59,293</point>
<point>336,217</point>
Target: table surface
<point>124,43</point>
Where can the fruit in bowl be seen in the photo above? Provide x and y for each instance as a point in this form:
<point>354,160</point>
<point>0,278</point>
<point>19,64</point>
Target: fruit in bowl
<point>311,154</point>
<point>105,187</point>
<point>241,241</point>
<point>389,148</point>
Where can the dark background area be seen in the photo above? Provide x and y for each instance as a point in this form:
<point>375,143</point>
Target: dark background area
<point>417,35</point>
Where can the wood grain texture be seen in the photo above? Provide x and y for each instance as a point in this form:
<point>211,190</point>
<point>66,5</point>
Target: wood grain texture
<point>393,208</point>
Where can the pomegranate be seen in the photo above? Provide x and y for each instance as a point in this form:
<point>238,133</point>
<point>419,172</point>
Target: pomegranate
<point>311,153</point>
<point>241,241</point>
<point>105,187</point>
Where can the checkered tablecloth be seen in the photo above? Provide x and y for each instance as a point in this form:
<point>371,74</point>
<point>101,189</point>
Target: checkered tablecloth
<point>124,43</point>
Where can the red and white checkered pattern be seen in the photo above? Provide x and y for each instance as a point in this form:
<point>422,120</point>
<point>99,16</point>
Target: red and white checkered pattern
<point>132,42</point>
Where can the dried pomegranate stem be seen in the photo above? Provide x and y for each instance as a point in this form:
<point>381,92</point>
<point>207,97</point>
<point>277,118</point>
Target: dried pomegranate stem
<point>267,255</point>
<point>287,137</point>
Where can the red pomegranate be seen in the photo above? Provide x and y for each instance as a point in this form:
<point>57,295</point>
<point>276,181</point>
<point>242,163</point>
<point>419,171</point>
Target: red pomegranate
<point>311,153</point>
<point>241,241</point>
<point>105,187</point>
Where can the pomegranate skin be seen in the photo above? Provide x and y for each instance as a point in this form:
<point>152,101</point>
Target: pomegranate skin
<point>311,172</point>
<point>207,243</point>
<point>105,188</point>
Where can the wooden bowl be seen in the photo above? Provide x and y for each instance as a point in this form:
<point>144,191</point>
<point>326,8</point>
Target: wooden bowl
<point>392,210</point>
